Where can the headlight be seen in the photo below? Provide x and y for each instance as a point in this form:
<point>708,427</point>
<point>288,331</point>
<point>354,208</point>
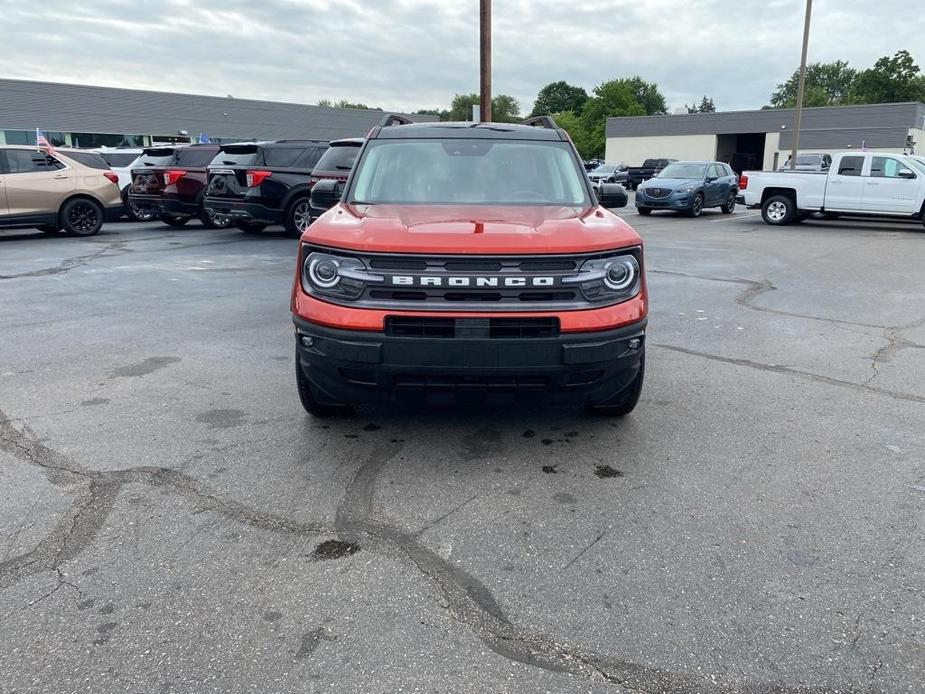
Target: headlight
<point>685,189</point>
<point>334,276</point>
<point>608,280</point>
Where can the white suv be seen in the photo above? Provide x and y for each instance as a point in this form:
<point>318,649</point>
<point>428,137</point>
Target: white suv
<point>121,160</point>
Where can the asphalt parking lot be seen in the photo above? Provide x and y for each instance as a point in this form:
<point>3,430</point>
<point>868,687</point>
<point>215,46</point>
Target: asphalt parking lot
<point>174,522</point>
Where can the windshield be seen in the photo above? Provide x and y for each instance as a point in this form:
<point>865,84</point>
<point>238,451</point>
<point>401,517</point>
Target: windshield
<point>917,163</point>
<point>683,171</point>
<point>808,159</point>
<point>605,168</point>
<point>469,172</point>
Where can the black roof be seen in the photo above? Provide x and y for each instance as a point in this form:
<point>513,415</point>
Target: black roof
<point>464,130</point>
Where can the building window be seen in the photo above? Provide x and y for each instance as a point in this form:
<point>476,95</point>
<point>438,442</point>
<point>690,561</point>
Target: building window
<point>27,137</point>
<point>106,140</point>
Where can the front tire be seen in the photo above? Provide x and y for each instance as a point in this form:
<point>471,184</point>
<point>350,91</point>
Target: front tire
<point>307,395</point>
<point>81,217</point>
<point>644,211</point>
<point>729,206</point>
<point>778,210</point>
<point>696,206</point>
<point>298,216</point>
<point>631,396</point>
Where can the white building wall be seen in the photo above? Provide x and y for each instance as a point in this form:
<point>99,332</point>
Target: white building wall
<point>771,147</point>
<point>633,150</point>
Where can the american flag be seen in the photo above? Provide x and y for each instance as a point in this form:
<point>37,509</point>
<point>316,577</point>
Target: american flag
<point>42,142</point>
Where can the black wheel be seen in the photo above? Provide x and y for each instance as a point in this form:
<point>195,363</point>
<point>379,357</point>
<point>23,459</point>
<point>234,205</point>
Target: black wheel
<point>696,206</point>
<point>81,217</point>
<point>133,212</point>
<point>174,221</point>
<point>729,206</point>
<point>778,210</point>
<point>630,396</point>
<point>298,216</point>
<point>645,211</point>
<point>307,395</point>
<point>210,220</point>
<point>250,227</point>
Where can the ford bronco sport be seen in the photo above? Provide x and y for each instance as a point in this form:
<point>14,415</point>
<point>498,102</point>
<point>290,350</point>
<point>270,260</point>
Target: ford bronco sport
<point>469,262</point>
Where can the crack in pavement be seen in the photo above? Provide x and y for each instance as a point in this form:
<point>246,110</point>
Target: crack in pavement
<point>469,602</point>
<point>112,248</point>
<point>788,370</point>
<point>756,288</point>
<point>91,507</point>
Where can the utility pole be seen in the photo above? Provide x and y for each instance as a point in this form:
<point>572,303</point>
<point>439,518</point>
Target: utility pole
<point>799,109</point>
<point>485,60</point>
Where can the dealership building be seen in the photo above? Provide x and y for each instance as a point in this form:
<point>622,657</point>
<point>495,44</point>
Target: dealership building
<point>83,116</point>
<point>764,139</point>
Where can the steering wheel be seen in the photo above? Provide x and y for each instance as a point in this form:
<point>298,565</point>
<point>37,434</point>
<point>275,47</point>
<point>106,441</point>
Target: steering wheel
<point>524,196</point>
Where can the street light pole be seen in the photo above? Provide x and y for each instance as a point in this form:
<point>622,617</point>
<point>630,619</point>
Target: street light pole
<point>485,60</point>
<point>800,84</point>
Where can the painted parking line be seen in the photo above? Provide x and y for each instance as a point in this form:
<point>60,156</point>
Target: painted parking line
<point>737,216</point>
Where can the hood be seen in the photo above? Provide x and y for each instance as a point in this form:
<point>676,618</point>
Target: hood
<point>470,229</point>
<point>671,183</point>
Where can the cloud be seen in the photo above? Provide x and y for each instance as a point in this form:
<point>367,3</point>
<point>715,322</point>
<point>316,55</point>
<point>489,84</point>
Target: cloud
<point>407,54</point>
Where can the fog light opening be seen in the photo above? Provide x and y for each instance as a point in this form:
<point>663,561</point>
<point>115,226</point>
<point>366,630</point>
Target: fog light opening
<point>632,344</point>
<point>307,341</point>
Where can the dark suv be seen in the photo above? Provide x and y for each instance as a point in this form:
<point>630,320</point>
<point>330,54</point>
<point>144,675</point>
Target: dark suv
<point>174,188</point>
<point>337,163</point>
<point>262,183</point>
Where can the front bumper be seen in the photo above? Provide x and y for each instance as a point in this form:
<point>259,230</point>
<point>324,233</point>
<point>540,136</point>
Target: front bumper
<point>353,367</point>
<point>243,211</point>
<point>675,201</point>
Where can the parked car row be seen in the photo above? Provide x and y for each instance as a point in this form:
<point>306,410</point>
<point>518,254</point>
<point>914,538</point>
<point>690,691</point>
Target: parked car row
<point>251,184</point>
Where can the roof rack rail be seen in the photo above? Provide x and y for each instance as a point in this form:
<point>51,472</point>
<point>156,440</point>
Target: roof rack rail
<point>392,119</point>
<point>542,122</point>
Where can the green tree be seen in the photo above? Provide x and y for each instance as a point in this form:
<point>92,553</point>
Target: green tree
<point>559,97</point>
<point>826,84</point>
<point>504,108</point>
<point>647,95</point>
<point>706,106</point>
<point>613,98</point>
<point>442,114</point>
<point>571,123</point>
<point>890,80</point>
<point>343,103</point>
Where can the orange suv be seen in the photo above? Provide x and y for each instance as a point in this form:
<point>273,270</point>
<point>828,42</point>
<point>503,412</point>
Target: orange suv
<point>63,189</point>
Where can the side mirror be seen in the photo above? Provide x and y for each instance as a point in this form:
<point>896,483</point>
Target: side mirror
<point>325,194</point>
<point>905,173</point>
<point>611,195</point>
<point>710,179</point>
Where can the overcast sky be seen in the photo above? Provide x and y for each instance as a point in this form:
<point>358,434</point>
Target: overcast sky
<point>408,54</point>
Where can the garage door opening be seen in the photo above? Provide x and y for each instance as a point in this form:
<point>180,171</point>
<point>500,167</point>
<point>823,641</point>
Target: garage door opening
<point>743,152</point>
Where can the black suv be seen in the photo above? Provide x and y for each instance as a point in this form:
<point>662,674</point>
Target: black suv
<point>337,163</point>
<point>263,183</point>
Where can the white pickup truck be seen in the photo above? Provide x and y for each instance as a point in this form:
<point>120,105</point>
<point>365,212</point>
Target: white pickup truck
<point>857,183</point>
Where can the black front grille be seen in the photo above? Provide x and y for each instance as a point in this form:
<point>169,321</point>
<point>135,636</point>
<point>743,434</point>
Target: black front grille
<point>482,381</point>
<point>475,328</point>
<point>657,192</point>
